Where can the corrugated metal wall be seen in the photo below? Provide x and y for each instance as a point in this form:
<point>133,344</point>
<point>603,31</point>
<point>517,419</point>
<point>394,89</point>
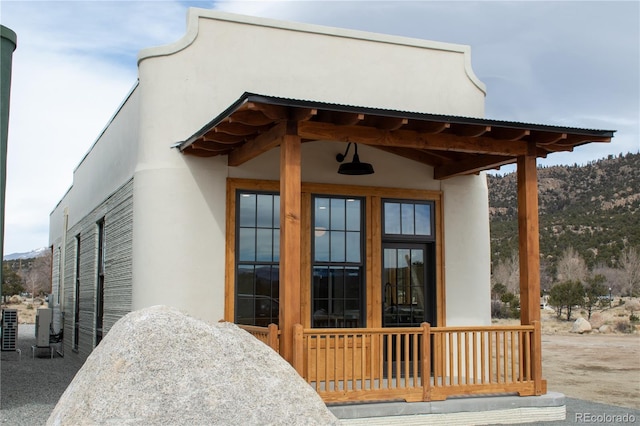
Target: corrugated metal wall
<point>117,212</point>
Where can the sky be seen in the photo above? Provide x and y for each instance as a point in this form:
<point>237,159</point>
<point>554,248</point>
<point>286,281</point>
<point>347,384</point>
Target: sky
<point>573,63</point>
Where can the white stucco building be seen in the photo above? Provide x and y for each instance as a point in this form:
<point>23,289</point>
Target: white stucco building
<point>215,186</point>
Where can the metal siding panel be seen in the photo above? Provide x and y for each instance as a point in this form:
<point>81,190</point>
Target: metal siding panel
<point>117,212</point>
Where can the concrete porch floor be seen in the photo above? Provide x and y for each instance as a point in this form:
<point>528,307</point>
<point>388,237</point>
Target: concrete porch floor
<point>472,410</point>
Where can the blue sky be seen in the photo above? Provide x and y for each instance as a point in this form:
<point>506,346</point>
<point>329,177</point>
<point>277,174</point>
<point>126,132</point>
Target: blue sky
<point>574,63</point>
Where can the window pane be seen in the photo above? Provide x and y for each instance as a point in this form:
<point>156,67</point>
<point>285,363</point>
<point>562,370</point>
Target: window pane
<point>276,245</point>
<point>338,214</point>
<point>247,209</point>
<point>264,241</point>
<point>391,218</point>
<point>263,280</point>
<point>276,211</point>
<point>353,215</point>
<point>275,282</point>
<point>352,283</point>
<point>337,246</point>
<point>247,244</point>
<point>337,282</point>
<point>245,279</point>
<point>353,247</point>
<point>265,211</point>
<point>321,247</point>
<point>407,219</point>
<point>322,213</point>
<point>423,219</point>
<point>320,283</point>
<point>245,310</point>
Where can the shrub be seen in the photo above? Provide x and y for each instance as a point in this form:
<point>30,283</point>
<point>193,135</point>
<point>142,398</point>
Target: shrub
<point>634,318</point>
<point>623,327</point>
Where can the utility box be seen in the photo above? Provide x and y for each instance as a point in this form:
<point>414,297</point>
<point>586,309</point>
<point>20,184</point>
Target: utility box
<point>43,326</point>
<point>9,329</point>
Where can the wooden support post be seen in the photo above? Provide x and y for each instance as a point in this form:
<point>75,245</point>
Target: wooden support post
<point>426,361</point>
<point>298,343</point>
<point>529,254</point>
<point>536,362</point>
<point>529,238</point>
<point>272,337</point>
<point>290,214</point>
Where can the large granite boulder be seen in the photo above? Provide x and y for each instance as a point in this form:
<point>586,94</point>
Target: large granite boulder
<point>159,366</point>
<point>581,325</point>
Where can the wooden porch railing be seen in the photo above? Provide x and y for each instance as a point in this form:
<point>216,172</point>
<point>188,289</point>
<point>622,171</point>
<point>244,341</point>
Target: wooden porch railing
<point>268,335</point>
<point>473,360</point>
<point>364,364</point>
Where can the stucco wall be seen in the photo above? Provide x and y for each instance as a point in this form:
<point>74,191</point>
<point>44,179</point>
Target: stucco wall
<point>178,242</point>
<point>108,164</point>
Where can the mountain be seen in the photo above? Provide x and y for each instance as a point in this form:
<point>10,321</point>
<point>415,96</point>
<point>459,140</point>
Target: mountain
<point>594,208</point>
<point>27,255</point>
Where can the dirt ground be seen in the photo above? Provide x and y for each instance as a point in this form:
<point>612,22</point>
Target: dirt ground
<point>600,367</point>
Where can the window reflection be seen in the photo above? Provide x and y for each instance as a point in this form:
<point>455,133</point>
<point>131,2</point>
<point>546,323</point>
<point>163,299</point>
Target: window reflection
<point>258,254</point>
<point>408,218</point>
<point>337,283</point>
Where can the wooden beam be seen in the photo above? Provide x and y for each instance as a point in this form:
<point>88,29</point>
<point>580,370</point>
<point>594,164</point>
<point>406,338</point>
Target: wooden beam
<point>389,123</point>
<point>471,130</point>
<point>239,129</point>
<point>409,139</point>
<point>302,114</point>
<point>509,134</point>
<point>261,144</point>
<point>222,137</point>
<point>528,232</point>
<point>211,146</point>
<point>290,232</point>
<point>471,165</point>
<point>274,112</point>
<point>546,138</point>
<point>250,117</point>
<point>419,156</point>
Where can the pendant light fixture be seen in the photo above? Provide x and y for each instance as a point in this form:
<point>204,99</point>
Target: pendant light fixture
<point>355,167</point>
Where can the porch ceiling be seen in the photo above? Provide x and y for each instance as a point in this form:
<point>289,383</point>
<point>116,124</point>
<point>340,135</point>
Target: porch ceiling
<point>453,145</point>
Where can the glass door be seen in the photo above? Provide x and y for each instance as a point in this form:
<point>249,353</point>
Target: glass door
<point>404,290</point>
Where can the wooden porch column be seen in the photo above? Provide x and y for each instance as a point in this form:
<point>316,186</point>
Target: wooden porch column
<point>529,239</point>
<point>290,215</point>
<point>529,251</point>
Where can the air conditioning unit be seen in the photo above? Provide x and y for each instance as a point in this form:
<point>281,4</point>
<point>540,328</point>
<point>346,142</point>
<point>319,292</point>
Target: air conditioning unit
<point>43,326</point>
<point>9,329</point>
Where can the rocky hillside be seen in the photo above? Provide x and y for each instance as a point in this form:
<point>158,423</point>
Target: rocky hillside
<point>593,208</point>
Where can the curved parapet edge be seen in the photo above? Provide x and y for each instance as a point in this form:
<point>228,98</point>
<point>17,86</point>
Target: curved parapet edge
<point>194,14</point>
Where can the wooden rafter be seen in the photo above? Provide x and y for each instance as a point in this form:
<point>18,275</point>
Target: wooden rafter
<point>257,146</point>
<point>471,165</point>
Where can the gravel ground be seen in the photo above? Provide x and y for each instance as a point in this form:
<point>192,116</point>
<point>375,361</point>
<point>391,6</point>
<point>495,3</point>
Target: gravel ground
<point>30,388</point>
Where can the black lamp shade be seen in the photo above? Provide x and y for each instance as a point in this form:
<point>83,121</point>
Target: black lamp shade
<point>355,167</point>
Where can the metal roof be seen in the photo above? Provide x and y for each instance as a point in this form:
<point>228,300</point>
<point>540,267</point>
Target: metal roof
<point>452,144</point>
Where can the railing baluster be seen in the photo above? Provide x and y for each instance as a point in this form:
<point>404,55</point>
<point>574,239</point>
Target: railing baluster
<point>466,357</point>
<point>505,355</point>
<point>513,358</point>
